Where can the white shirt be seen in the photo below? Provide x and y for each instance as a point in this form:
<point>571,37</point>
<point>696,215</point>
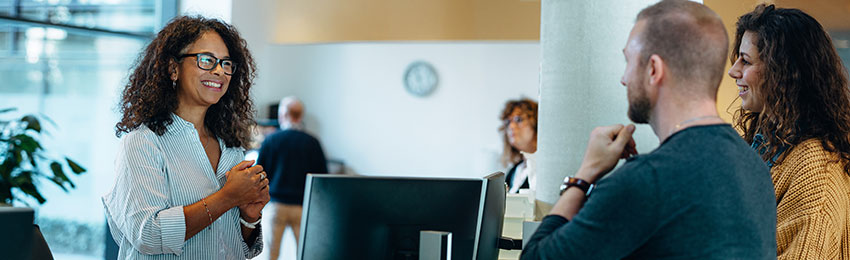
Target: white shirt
<point>524,171</point>
<point>156,177</point>
<point>530,169</point>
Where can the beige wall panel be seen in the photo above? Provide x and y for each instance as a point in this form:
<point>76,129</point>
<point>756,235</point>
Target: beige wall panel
<point>834,15</point>
<point>319,21</point>
<point>727,95</point>
<point>506,20</point>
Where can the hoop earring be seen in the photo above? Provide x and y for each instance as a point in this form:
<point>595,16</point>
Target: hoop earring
<point>173,85</point>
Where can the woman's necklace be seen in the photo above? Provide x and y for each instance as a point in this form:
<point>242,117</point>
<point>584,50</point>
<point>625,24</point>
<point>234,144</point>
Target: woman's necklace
<point>205,139</point>
<point>204,143</point>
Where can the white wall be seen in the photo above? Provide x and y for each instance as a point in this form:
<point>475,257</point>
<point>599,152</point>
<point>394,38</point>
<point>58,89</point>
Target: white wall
<point>221,9</point>
<point>357,105</point>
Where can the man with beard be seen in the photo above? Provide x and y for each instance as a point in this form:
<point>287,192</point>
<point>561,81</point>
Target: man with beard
<point>702,194</point>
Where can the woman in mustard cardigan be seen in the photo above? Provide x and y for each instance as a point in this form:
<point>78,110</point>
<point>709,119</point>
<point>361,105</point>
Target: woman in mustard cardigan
<point>796,113</point>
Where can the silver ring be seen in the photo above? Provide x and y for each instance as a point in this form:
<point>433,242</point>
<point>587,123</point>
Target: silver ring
<point>263,176</point>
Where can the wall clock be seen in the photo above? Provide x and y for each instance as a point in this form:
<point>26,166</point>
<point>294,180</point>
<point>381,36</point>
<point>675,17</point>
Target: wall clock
<point>420,78</point>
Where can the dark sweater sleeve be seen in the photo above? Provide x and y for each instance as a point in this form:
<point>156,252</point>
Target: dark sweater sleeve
<point>617,218</point>
<point>547,226</point>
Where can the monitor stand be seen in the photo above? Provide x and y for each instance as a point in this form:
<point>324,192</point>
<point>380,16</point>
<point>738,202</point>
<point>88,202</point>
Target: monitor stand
<point>435,245</point>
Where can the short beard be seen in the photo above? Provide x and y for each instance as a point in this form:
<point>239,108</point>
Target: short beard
<point>639,107</point>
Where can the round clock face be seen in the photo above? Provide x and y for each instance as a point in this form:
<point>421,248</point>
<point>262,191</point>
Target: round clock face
<point>420,78</point>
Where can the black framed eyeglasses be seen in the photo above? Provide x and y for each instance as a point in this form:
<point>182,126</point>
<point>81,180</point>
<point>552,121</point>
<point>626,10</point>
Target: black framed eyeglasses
<point>515,119</point>
<point>207,61</point>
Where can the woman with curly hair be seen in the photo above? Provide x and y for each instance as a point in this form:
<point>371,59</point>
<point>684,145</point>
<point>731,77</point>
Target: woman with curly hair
<point>519,138</point>
<point>796,113</point>
<point>182,190</point>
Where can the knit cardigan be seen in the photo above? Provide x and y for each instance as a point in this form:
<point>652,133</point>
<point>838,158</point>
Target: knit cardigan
<point>813,204</point>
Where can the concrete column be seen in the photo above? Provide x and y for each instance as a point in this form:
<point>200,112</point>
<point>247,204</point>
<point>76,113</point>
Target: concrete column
<point>582,63</point>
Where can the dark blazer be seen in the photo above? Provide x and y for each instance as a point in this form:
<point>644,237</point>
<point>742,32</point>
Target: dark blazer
<point>509,178</point>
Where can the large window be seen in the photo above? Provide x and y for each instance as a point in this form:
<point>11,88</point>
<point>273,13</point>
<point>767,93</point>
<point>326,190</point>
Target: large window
<point>68,60</point>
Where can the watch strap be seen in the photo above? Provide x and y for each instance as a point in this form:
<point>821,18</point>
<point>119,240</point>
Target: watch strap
<point>585,186</point>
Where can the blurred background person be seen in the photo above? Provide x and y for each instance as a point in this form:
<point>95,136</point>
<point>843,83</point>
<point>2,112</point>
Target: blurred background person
<point>263,128</point>
<point>182,189</point>
<point>795,112</point>
<point>519,136</point>
<point>288,156</point>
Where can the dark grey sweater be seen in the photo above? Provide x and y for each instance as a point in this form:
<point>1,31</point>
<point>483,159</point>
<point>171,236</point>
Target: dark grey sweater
<point>288,156</point>
<point>703,194</point>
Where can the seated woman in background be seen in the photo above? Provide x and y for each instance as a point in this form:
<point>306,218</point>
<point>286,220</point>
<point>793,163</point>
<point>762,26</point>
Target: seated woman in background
<point>519,136</point>
<point>796,113</point>
<point>182,190</point>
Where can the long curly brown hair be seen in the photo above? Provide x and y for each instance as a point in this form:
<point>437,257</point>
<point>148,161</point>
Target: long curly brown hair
<point>149,97</point>
<point>805,88</point>
<point>511,155</point>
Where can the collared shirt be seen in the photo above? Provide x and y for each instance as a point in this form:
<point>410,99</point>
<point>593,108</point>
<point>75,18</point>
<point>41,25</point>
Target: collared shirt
<point>760,147</point>
<point>284,125</point>
<point>520,175</point>
<point>156,177</point>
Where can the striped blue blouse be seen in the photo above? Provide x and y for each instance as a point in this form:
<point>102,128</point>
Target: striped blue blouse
<point>156,177</point>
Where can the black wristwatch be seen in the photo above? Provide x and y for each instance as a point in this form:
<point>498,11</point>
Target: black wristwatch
<point>585,186</point>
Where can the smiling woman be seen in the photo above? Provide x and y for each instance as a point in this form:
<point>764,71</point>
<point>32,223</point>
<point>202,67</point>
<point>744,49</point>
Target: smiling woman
<point>796,115</point>
<point>181,191</point>
<point>202,82</point>
<point>747,72</point>
<point>152,86</point>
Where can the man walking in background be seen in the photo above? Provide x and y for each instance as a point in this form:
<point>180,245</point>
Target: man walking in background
<point>288,156</point>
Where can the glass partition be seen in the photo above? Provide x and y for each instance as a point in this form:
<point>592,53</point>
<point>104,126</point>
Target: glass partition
<point>68,61</point>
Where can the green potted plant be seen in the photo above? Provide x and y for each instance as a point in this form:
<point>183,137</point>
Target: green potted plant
<point>24,162</point>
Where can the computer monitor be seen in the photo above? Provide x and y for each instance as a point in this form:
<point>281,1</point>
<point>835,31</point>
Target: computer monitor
<point>16,241</point>
<point>369,217</point>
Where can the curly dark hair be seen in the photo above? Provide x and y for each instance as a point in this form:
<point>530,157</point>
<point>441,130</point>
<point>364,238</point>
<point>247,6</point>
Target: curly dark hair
<point>805,88</point>
<point>149,97</point>
<point>511,155</point>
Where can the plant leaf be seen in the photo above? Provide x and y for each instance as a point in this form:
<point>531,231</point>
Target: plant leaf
<point>59,183</point>
<point>6,168</point>
<point>32,123</point>
<point>30,189</point>
<point>21,155</point>
<point>18,157</point>
<point>75,167</point>
<point>22,178</point>
<point>33,162</point>
<point>28,143</point>
<point>59,173</point>
<point>5,194</point>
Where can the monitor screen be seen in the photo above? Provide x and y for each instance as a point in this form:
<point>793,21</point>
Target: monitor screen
<point>368,217</point>
<point>16,241</point>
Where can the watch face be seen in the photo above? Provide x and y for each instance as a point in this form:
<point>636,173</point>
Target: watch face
<point>420,78</point>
